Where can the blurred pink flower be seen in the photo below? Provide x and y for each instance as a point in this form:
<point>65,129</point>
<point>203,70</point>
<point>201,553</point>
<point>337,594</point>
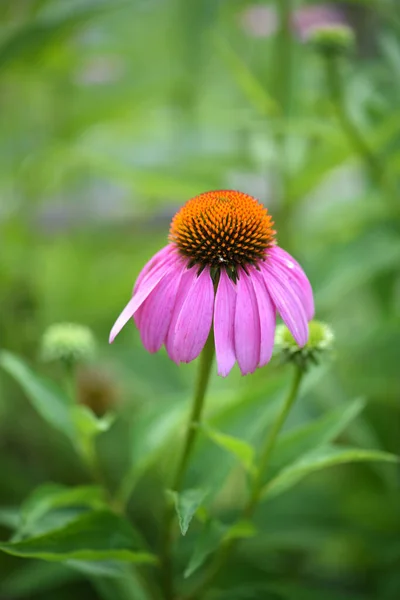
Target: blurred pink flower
<point>222,268</point>
<point>262,21</point>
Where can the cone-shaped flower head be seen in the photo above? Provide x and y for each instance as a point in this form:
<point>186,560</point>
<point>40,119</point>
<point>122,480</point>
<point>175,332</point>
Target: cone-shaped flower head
<point>221,268</point>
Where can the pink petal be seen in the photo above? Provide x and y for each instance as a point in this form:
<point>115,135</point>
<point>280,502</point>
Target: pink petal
<point>287,303</point>
<point>224,319</point>
<point>195,318</point>
<point>280,258</point>
<point>267,313</point>
<point>160,262</point>
<point>156,311</point>
<point>136,301</point>
<point>247,325</point>
<point>188,278</point>
<point>159,259</point>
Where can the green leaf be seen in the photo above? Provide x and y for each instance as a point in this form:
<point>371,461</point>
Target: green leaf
<point>48,401</point>
<point>206,543</point>
<point>186,505</point>
<point>9,517</point>
<point>240,530</point>
<point>48,499</point>
<point>94,536</point>
<point>242,450</point>
<point>37,577</point>
<point>294,444</point>
<point>88,424</point>
<point>319,459</point>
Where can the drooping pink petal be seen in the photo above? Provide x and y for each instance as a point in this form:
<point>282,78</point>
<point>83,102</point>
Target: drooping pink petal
<point>186,282</point>
<point>224,320</point>
<point>165,258</point>
<point>279,257</point>
<point>136,301</point>
<point>162,257</point>
<point>287,303</point>
<point>195,318</point>
<point>156,311</point>
<point>247,325</point>
<point>267,313</point>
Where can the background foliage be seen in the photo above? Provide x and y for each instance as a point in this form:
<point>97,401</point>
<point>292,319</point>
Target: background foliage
<point>112,114</point>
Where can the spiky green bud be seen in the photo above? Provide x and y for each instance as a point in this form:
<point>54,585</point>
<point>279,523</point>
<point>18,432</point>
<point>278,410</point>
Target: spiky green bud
<point>68,342</point>
<point>321,339</point>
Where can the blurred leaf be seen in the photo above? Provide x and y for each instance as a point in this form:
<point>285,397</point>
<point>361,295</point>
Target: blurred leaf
<point>88,424</point>
<point>49,402</point>
<point>49,498</point>
<point>292,445</point>
<point>206,542</point>
<point>246,81</point>
<point>241,530</point>
<point>99,535</point>
<point>186,505</point>
<point>104,568</point>
<point>326,456</point>
<point>34,37</point>
<point>242,450</point>
<point>9,517</point>
<point>37,577</point>
<point>346,275</point>
<point>128,587</point>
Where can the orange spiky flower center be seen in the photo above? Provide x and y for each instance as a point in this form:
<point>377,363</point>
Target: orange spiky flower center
<point>223,229</point>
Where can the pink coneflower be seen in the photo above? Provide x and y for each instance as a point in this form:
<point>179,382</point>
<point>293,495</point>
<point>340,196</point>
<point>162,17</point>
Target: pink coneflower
<point>221,268</point>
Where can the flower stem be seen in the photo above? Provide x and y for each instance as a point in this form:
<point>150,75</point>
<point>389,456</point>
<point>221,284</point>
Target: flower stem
<point>350,129</point>
<point>225,550</point>
<point>270,442</point>
<point>206,360</point>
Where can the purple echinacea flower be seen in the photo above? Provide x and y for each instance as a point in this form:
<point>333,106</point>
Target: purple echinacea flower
<point>221,269</point>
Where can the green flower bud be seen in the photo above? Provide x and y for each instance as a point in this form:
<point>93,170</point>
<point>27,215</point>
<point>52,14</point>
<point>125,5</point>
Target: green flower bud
<point>69,343</point>
<point>321,339</point>
<point>332,40</point>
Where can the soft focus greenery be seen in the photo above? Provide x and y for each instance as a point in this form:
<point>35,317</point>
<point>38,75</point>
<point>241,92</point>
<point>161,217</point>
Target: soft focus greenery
<point>112,114</point>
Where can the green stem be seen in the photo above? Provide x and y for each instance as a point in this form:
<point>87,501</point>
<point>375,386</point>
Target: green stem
<point>270,442</point>
<point>350,129</point>
<point>282,70</point>
<point>225,550</point>
<point>206,360</point>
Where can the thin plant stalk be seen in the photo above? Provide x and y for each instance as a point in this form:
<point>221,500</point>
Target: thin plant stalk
<point>206,360</point>
<point>350,129</point>
<point>225,550</point>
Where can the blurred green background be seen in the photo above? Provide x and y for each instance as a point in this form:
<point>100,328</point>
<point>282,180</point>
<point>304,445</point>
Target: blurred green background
<point>112,114</point>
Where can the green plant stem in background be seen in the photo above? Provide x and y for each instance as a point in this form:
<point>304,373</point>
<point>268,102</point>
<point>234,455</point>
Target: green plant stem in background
<point>355,137</point>
<point>282,84</point>
<point>206,360</point>
<point>225,549</point>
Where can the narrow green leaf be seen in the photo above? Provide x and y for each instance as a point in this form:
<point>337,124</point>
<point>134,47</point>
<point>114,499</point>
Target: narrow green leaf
<point>99,535</point>
<point>50,402</point>
<point>321,458</point>
<point>206,543</point>
<point>294,444</point>
<point>49,498</point>
<point>186,505</point>
<point>242,450</point>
